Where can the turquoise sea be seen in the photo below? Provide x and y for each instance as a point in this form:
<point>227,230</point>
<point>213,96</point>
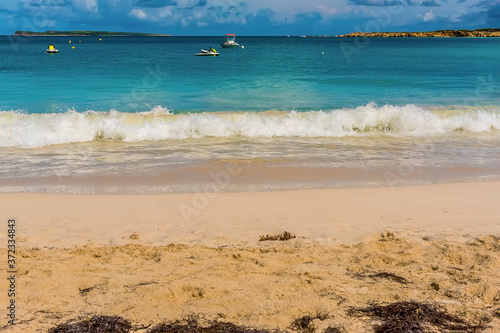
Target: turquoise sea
<point>144,115</point>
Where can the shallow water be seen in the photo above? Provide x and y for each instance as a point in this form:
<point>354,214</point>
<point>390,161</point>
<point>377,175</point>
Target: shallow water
<point>259,163</point>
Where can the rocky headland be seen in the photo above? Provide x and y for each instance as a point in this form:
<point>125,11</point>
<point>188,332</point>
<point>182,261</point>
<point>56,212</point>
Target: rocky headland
<point>438,33</point>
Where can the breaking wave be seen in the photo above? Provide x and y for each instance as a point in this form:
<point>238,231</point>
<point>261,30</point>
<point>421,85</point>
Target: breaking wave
<point>18,129</point>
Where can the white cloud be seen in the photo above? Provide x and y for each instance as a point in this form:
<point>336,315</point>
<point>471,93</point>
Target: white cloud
<point>458,17</point>
<point>429,16</point>
<point>163,12</point>
<point>138,13</point>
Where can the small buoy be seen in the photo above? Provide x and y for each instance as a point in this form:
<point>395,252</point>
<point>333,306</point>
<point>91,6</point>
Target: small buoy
<point>242,47</point>
<point>70,42</point>
<point>79,41</point>
<point>322,52</point>
<point>72,47</point>
<point>100,39</point>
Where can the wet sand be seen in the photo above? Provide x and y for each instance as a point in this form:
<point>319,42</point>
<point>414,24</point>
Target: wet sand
<point>154,257</point>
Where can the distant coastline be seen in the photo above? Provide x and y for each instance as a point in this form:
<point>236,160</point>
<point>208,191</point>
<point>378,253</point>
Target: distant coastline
<point>82,33</point>
<point>438,33</point>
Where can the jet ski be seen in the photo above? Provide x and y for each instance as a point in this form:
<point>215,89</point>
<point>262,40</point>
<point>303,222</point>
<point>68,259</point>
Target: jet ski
<point>52,49</point>
<point>207,53</point>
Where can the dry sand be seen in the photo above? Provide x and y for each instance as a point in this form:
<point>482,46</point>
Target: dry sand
<point>197,253</point>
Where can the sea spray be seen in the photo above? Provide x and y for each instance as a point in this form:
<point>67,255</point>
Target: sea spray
<point>22,130</point>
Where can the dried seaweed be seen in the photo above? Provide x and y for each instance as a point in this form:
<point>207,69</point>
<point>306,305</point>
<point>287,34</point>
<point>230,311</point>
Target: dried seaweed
<point>385,275</point>
<point>189,324</point>
<point>305,324</point>
<point>398,317</point>
<point>412,316</point>
<point>85,291</point>
<point>330,329</point>
<point>279,237</point>
<point>194,327</point>
<point>95,324</point>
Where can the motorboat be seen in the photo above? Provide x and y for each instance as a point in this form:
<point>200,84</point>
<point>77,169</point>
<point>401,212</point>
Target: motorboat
<point>230,42</point>
<point>52,49</point>
<point>208,53</point>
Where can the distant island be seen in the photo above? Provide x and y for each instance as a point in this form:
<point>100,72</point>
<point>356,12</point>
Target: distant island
<point>438,33</point>
<point>82,33</point>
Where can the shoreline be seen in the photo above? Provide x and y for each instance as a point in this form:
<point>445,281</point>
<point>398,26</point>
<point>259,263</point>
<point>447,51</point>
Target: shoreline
<point>242,182</point>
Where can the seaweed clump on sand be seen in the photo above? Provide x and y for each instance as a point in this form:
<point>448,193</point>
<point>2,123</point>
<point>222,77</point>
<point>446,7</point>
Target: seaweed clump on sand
<point>95,324</point>
<point>384,275</point>
<point>412,316</point>
<point>191,325</point>
<point>279,237</point>
<point>335,330</point>
<point>305,324</point>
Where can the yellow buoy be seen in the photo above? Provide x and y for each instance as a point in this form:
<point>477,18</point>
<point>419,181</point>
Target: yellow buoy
<point>79,41</point>
<point>72,47</point>
<point>100,39</point>
<point>70,41</point>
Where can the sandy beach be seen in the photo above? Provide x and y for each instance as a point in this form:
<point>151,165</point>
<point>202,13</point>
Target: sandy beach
<point>150,258</point>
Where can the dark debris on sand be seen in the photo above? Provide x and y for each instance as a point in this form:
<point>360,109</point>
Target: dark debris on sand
<point>305,324</point>
<point>411,316</point>
<point>384,275</point>
<point>95,324</point>
<point>330,329</point>
<point>279,237</point>
<point>398,317</point>
<point>191,325</point>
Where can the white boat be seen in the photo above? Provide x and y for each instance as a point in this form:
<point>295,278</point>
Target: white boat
<point>230,42</point>
<point>209,53</point>
<point>51,49</point>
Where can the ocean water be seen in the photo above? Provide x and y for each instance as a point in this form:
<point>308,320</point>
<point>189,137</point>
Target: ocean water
<point>144,115</point>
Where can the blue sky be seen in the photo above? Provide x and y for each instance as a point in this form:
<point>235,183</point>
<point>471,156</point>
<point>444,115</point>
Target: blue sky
<point>247,17</point>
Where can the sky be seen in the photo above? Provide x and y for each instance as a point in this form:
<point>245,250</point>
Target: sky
<point>247,17</point>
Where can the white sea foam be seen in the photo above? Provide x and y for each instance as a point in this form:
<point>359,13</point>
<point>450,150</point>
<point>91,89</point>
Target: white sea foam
<point>18,129</point>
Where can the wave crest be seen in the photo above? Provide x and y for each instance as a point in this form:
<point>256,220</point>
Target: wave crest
<point>37,130</point>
